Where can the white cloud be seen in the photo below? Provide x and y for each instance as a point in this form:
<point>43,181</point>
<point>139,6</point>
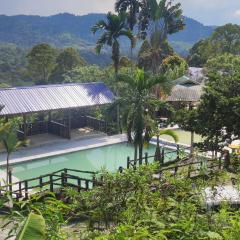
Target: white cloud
<point>237,13</point>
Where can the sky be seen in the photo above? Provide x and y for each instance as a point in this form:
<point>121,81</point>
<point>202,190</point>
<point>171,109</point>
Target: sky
<point>208,12</point>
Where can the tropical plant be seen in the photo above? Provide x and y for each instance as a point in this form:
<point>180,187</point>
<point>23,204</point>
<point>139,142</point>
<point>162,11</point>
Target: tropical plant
<point>159,132</point>
<point>33,228</point>
<point>112,29</point>
<point>8,136</point>
<point>140,105</point>
<point>160,19</point>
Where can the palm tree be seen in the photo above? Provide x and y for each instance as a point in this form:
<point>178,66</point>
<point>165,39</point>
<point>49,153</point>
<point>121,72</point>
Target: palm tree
<point>158,132</point>
<point>112,29</point>
<point>160,20</point>
<point>132,8</point>
<point>139,106</point>
<point>10,142</point>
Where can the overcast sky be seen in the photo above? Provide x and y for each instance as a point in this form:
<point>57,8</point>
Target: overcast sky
<point>210,12</point>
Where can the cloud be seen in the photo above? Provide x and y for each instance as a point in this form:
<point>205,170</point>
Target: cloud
<point>237,13</point>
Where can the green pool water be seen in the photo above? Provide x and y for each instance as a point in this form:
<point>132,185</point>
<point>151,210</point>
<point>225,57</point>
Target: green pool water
<point>110,157</point>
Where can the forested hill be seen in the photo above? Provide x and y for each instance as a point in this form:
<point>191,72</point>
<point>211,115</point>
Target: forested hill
<point>64,30</point>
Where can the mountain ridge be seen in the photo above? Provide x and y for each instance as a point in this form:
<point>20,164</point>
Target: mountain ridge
<point>69,30</point>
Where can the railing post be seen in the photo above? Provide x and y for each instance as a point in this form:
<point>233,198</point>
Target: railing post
<point>65,174</point>
<point>79,184</point>
<point>94,180</point>
<point>128,162</point>
<point>41,182</point>
<point>26,189</point>
<point>51,183</point>
<point>20,189</point>
<point>63,179</point>
<point>146,158</point>
<point>87,184</point>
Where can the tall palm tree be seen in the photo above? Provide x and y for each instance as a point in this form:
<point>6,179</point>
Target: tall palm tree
<point>160,19</point>
<point>139,106</point>
<point>132,8</point>
<point>112,29</point>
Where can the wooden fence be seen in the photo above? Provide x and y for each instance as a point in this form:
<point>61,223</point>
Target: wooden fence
<point>56,180</point>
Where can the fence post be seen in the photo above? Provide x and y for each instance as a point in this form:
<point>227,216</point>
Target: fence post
<point>87,184</point>
<point>20,189</point>
<point>41,182</point>
<point>65,176</point>
<point>94,180</point>
<point>79,185</point>
<point>128,162</point>
<point>51,183</point>
<point>63,179</point>
<point>26,189</point>
<point>146,158</point>
<point>10,182</point>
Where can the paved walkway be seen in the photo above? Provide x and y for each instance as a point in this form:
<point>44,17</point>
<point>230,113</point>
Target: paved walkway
<point>65,146</point>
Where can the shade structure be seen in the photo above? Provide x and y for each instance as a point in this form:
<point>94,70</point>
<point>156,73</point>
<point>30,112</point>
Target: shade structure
<point>186,94</point>
<point>36,99</point>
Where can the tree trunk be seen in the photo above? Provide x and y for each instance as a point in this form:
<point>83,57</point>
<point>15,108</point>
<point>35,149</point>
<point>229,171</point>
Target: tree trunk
<point>158,150</point>
<point>7,170</point>
<point>135,152</point>
<point>191,144</point>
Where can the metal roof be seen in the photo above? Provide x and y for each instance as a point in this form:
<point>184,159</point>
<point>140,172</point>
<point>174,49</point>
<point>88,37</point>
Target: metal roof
<point>23,100</point>
<point>185,94</point>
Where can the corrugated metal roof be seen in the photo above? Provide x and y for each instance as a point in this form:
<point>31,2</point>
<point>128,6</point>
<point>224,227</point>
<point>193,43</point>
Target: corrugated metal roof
<point>20,100</point>
<point>185,94</point>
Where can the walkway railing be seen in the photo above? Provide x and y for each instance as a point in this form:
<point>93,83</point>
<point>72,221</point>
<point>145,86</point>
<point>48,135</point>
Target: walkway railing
<point>166,157</point>
<point>50,182</point>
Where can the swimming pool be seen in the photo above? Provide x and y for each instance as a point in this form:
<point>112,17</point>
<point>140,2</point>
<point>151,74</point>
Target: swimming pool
<point>110,157</point>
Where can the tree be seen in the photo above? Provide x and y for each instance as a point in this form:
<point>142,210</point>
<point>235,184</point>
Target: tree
<point>172,61</point>
<point>160,132</point>
<point>217,118</point>
<point>8,136</point>
<point>224,64</point>
<point>89,73</point>
<point>139,106</point>
<point>67,60</point>
<point>225,39</point>
<point>113,28</point>
<point>160,20</point>
<point>41,62</point>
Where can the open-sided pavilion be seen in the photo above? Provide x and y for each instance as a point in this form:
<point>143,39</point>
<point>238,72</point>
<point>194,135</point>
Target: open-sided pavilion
<point>72,102</point>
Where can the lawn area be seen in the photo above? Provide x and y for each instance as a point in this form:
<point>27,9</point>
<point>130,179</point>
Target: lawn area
<point>184,137</point>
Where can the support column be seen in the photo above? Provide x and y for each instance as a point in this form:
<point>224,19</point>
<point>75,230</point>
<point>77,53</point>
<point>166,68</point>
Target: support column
<point>25,126</point>
<point>49,121</point>
<point>69,124</point>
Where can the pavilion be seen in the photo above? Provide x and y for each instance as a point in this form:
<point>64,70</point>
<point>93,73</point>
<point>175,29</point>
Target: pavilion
<point>69,102</point>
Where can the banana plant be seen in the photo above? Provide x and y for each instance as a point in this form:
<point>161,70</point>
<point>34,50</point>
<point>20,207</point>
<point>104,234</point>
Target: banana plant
<point>33,228</point>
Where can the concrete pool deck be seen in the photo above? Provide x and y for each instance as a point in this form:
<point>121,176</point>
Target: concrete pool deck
<point>63,147</point>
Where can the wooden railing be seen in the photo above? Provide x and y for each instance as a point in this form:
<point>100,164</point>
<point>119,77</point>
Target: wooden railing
<point>165,158</point>
<point>59,129</point>
<point>50,182</point>
<point>35,128</point>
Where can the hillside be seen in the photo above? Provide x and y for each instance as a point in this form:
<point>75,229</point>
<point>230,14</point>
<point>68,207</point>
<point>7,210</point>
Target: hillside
<point>65,30</point>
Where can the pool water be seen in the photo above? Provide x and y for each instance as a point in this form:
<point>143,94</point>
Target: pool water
<point>109,157</point>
